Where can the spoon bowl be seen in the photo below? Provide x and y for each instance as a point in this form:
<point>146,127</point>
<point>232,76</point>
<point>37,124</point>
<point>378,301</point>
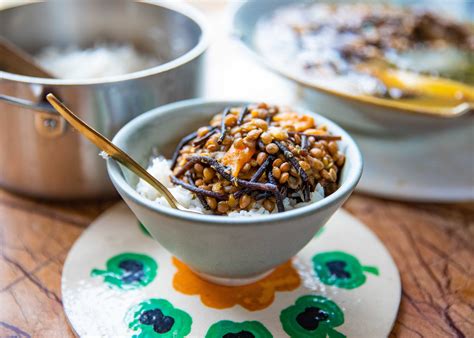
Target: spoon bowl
<point>446,92</point>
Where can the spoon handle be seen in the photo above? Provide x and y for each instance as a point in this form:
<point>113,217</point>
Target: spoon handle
<point>111,149</point>
<point>15,60</point>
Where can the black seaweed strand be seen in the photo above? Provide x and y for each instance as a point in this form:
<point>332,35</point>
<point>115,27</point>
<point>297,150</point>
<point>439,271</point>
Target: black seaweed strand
<point>203,139</point>
<point>199,195</point>
<point>225,173</point>
<point>223,127</point>
<point>256,176</point>
<point>198,190</point>
<point>244,111</point>
<point>263,195</point>
<point>180,145</point>
<point>291,158</point>
<point>278,197</point>
<point>304,142</point>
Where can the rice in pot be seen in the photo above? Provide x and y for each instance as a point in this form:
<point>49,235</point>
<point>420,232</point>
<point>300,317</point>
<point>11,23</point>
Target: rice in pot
<point>100,61</point>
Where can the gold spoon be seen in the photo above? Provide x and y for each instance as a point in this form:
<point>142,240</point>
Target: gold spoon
<point>425,85</point>
<point>442,90</point>
<point>113,151</point>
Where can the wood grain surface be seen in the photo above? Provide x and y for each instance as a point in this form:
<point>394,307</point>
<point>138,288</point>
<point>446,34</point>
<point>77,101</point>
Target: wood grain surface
<point>432,246</point>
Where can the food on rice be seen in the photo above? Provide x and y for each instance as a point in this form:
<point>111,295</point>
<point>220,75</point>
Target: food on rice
<point>99,61</point>
<point>255,159</point>
<point>334,44</point>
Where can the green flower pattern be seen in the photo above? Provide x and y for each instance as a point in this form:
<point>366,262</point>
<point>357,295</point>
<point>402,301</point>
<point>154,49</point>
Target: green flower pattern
<point>128,271</point>
<point>229,329</point>
<point>158,318</point>
<point>312,317</point>
<point>340,269</point>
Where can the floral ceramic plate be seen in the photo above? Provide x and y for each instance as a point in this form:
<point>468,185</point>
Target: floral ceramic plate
<point>118,281</point>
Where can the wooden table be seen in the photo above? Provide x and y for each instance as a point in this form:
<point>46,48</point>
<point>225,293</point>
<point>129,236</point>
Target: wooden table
<point>432,246</point>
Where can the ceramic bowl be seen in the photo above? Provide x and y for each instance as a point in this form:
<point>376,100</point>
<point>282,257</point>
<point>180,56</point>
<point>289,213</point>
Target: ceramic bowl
<point>225,250</point>
<point>360,113</point>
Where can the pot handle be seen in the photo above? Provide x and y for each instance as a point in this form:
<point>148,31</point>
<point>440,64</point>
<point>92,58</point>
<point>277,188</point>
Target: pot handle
<point>47,121</point>
<point>40,106</point>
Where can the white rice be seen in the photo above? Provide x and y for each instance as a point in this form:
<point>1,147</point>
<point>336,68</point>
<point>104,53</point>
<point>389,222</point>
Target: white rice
<point>160,169</point>
<point>100,61</point>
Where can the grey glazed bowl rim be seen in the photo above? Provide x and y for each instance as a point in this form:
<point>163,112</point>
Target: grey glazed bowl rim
<point>121,184</point>
<point>199,48</point>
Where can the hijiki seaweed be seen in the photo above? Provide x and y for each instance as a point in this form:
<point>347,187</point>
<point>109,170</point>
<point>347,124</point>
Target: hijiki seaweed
<point>257,154</point>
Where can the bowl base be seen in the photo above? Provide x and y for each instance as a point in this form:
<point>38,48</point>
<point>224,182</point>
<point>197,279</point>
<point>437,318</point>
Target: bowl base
<point>232,281</point>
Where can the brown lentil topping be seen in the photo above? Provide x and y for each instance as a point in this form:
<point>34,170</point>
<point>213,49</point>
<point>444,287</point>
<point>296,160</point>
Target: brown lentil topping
<point>356,42</point>
<point>257,153</point>
<point>369,32</point>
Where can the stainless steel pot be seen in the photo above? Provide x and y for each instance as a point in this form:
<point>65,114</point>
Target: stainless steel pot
<point>39,154</point>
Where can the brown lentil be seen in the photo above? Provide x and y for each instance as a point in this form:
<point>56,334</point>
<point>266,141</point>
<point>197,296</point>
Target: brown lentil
<point>222,207</point>
<point>340,160</point>
<point>284,178</point>
<point>217,187</point>
<point>271,148</point>
<point>285,166</point>
<point>254,134</point>
<point>325,174</point>
<point>261,157</point>
<point>317,164</point>
<point>211,202</point>
<point>332,147</point>
<point>266,138</point>
<point>208,174</point>
<point>227,140</point>
<point>211,146</point>
<point>317,153</point>
<point>269,205</point>
<point>230,120</point>
<point>230,189</point>
<point>244,201</point>
<point>333,174</point>
<point>232,201</point>
<point>276,172</point>
<point>277,162</point>
<point>259,123</point>
<point>202,131</point>
<point>198,168</point>
<point>246,168</point>
<point>305,165</point>
<point>297,138</point>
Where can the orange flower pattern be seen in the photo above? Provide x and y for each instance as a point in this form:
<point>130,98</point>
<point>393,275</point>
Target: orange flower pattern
<point>253,297</point>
